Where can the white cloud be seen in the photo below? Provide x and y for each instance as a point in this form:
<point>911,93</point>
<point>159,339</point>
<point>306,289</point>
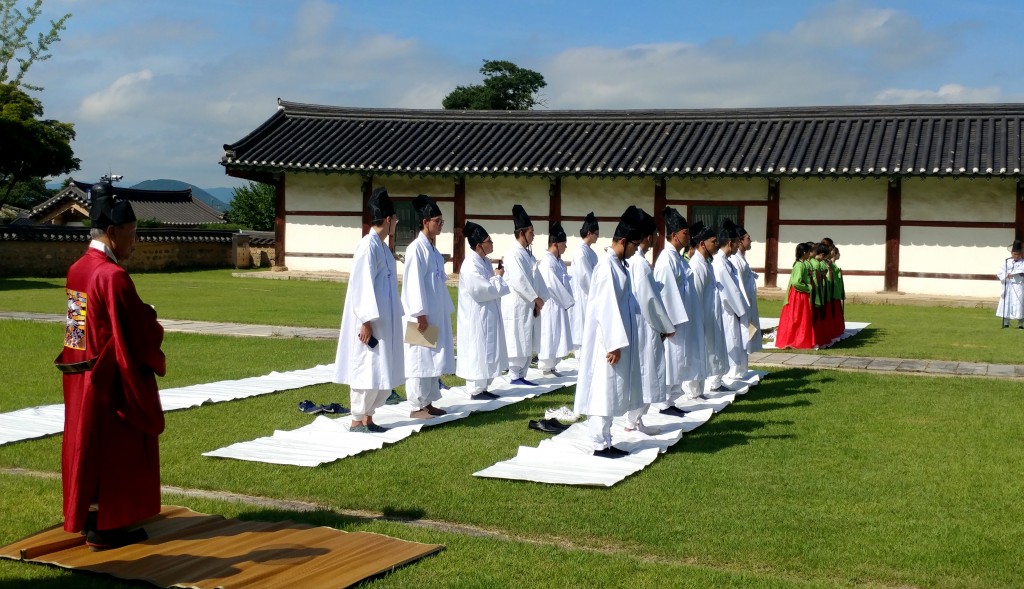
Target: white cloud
<point>120,97</point>
<point>946,94</point>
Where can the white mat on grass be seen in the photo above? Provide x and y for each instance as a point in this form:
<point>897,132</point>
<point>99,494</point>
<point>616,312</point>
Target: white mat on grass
<point>36,422</point>
<point>852,329</point>
<point>329,439</point>
<point>567,458</point>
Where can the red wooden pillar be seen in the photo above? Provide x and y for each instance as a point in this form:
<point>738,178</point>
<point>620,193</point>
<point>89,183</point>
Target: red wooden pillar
<point>279,223</point>
<point>771,246</point>
<point>555,202</point>
<point>459,247</point>
<point>893,213</point>
<point>660,199</point>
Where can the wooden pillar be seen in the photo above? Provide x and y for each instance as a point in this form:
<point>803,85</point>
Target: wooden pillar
<point>554,202</point>
<point>279,223</point>
<point>771,246</point>
<point>1018,221</point>
<point>366,186</point>
<point>893,212</point>
<point>659,219</point>
<point>459,248</point>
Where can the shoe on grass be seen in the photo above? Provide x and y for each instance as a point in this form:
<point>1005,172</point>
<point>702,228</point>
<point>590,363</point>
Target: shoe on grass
<point>334,408</point>
<point>310,407</point>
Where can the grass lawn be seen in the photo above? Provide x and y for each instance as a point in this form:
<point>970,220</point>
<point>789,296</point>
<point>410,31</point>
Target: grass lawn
<point>814,479</point>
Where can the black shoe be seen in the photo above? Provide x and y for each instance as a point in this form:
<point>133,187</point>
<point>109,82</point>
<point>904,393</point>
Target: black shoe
<point>393,398</point>
<point>523,382</point>
<point>543,427</point>
<point>673,411</point>
<point>554,424</point>
<point>611,452</point>
<point>1006,326</point>
<point>98,540</point>
<point>373,428</point>
<point>484,396</point>
<point>434,410</point>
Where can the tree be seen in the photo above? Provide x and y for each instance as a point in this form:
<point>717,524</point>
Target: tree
<point>32,147</point>
<point>506,87</point>
<point>17,46</point>
<point>29,193</point>
<point>253,206</point>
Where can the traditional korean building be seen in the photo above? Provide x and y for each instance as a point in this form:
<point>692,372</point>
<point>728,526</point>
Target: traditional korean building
<point>170,208</point>
<point>920,199</point>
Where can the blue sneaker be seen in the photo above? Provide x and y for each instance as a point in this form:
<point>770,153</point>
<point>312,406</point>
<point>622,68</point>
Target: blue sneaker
<point>310,407</point>
<point>333,408</point>
<point>523,382</point>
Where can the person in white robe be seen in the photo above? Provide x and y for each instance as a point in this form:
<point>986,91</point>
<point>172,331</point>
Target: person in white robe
<point>427,303</point>
<point>705,288</point>
<point>582,268</point>
<point>748,279</point>
<point>653,330</point>
<point>685,347</point>
<point>556,340</point>
<point>519,310</point>
<point>370,358</point>
<point>1011,277</point>
<point>482,354</point>
<point>609,369</point>
<point>734,305</point>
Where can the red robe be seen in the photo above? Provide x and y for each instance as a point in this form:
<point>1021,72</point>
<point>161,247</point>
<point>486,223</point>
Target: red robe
<point>112,413</point>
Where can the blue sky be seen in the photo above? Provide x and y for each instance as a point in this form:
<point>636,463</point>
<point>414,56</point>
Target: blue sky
<point>155,88</point>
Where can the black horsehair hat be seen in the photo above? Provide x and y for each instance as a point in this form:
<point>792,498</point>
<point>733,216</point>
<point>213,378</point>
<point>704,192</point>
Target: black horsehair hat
<point>589,225</point>
<point>673,220</point>
<point>520,218</point>
<point>106,208</point>
<point>426,207</point>
<point>630,224</point>
<point>475,234</point>
<point>556,234</point>
<point>380,205</point>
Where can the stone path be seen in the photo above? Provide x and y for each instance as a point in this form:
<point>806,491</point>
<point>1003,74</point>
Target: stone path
<point>770,358</point>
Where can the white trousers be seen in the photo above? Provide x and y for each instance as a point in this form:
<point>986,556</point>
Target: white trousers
<point>634,416</point>
<point>517,367</point>
<point>422,391</point>
<point>600,431</point>
<point>547,363</point>
<point>674,392</point>
<point>693,388</point>
<point>478,386</point>
<point>366,401</point>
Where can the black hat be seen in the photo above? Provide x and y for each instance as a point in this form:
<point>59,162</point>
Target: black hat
<point>1015,247</point>
<point>589,225</point>
<point>106,208</point>
<point>701,234</point>
<point>740,232</point>
<point>556,234</point>
<point>648,226</point>
<point>728,231</point>
<point>673,220</point>
<point>520,218</point>
<point>380,205</point>
<point>695,230</point>
<point>630,224</point>
<point>475,234</point>
<point>426,207</point>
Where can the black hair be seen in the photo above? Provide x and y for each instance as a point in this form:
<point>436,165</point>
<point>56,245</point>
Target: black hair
<point>801,250</point>
<point>822,249</point>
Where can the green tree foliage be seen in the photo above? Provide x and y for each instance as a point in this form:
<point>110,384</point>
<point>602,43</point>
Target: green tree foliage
<point>18,46</point>
<point>506,86</point>
<point>32,147</point>
<point>29,193</point>
<point>253,206</point>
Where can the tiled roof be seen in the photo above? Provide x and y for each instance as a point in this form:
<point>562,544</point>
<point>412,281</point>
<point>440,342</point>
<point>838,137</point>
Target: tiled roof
<point>917,140</point>
<point>66,233</point>
<point>169,207</point>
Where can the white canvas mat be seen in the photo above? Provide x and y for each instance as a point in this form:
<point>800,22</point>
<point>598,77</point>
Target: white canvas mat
<point>329,439</point>
<point>36,422</point>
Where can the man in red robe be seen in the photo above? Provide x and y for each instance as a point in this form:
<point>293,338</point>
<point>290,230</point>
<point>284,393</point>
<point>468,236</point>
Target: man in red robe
<point>110,463</point>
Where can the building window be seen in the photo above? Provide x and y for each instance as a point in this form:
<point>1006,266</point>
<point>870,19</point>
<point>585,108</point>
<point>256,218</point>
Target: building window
<point>408,225</point>
<point>713,215</point>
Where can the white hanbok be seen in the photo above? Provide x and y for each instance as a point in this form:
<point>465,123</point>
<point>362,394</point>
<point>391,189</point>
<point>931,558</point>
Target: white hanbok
<point>684,351</point>
<point>708,293</point>
<point>734,314</point>
<point>555,325</point>
<point>522,330</point>
<point>748,280</point>
<point>603,389</point>
<point>656,321</point>
<point>372,296</point>
<point>1011,300</point>
<point>583,262</point>
<point>482,354</point>
<point>424,294</point>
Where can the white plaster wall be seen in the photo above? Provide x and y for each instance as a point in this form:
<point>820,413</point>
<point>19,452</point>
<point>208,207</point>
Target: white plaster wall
<point>755,221</point>
<point>495,196</point>
<point>322,192</point>
<point>941,286</point>
<point>407,187</point>
<point>852,284</point>
<point>860,248</point>
<point>828,199</point>
<point>716,189</point>
<point>951,250</point>
<point>943,199</point>
<point>326,235</point>
<point>605,197</point>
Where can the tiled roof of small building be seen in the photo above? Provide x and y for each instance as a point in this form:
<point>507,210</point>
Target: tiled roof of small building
<point>918,140</point>
<point>66,233</point>
<point>169,207</point>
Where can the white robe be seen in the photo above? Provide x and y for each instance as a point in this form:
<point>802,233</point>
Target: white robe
<point>482,353</point>
<point>734,309</point>
<point>522,331</point>
<point>684,351</point>
<point>1011,299</point>
<point>372,296</point>
<point>555,325</point>
<point>424,293</point>
<point>602,389</point>
<point>748,280</point>
<point>583,262</point>
<point>656,321</point>
<point>707,290</point>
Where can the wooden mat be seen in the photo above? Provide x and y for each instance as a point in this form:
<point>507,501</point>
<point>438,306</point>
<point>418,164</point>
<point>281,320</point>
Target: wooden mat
<point>189,549</point>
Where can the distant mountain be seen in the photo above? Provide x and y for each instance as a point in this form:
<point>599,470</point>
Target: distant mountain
<point>224,194</point>
<point>197,192</point>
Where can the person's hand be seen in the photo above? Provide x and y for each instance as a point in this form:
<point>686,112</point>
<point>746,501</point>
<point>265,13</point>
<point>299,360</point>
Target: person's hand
<point>613,357</point>
<point>538,304</point>
<point>421,323</point>
<point>499,272</point>
<point>665,336</point>
<point>365,332</point>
